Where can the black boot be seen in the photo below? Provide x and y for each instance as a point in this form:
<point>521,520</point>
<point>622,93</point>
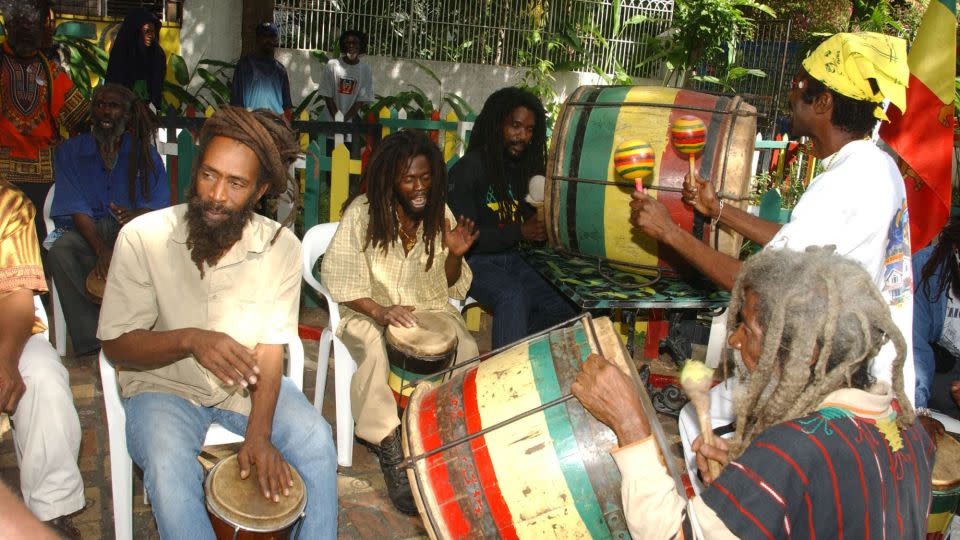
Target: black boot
<point>390,455</point>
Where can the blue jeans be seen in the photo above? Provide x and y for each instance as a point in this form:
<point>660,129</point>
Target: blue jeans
<point>164,435</point>
<point>523,302</point>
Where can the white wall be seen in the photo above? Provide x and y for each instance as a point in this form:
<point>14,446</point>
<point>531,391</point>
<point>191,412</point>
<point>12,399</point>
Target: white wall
<point>211,29</point>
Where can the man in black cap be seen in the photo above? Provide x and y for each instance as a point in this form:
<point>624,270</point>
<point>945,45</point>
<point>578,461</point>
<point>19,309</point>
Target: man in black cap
<point>259,81</point>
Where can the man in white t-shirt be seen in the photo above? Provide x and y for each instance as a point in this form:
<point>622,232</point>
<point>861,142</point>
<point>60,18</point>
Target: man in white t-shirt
<point>858,203</point>
<point>346,83</point>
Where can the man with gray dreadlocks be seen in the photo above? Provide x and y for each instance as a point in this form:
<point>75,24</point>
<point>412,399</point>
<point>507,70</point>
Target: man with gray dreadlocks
<point>820,449</point>
<point>200,299</point>
<point>104,179</point>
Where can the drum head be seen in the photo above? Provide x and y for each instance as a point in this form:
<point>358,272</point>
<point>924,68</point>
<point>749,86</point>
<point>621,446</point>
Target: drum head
<point>946,467</point>
<point>240,503</point>
<point>434,335</point>
<point>95,287</point>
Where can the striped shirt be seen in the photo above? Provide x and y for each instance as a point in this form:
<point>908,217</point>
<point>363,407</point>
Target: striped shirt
<point>391,278</point>
<point>20,266</point>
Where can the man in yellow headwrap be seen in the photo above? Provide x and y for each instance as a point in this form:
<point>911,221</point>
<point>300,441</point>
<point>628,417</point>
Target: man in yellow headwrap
<point>856,203</point>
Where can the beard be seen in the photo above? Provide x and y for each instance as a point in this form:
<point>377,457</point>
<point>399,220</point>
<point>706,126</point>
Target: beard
<point>415,214</point>
<point>206,242</point>
<point>108,138</point>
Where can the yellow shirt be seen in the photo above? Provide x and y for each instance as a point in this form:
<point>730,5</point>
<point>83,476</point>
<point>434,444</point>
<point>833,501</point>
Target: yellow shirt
<point>251,294</point>
<point>20,266</point>
<point>391,278</point>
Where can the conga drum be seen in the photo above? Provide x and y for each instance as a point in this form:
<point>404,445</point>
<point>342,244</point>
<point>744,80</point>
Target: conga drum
<point>500,451</point>
<point>946,487</point>
<point>239,511</point>
<point>416,353</point>
<point>95,287</point>
<point>588,204</point>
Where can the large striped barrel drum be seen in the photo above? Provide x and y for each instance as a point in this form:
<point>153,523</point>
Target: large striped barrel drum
<point>588,204</point>
<point>545,475</point>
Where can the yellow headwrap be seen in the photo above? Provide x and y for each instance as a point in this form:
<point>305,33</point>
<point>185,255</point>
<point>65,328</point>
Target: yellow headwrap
<point>844,62</point>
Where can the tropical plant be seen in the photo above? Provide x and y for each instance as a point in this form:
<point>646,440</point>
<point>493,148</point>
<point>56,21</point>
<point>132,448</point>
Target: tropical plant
<point>731,74</point>
<point>213,89</point>
<point>418,104</point>
<point>82,60</point>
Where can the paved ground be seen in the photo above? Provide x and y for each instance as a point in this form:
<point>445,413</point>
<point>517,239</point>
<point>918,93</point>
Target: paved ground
<point>365,511</point>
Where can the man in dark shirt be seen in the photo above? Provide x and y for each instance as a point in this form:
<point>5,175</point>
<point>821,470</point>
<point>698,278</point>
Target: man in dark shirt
<point>488,185</point>
<point>259,81</point>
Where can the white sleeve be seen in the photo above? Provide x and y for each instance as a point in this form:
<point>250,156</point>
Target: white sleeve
<point>328,80</point>
<point>365,93</point>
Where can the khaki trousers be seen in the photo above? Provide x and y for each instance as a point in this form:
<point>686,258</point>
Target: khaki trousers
<point>371,400</point>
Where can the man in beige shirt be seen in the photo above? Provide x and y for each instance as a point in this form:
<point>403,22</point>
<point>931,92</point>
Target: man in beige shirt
<point>398,252</point>
<point>200,299</point>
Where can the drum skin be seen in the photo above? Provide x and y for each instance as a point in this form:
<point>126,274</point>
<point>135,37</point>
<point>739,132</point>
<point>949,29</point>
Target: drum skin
<point>416,353</point>
<point>946,487</point>
<point>593,219</point>
<point>547,475</point>
<point>234,504</point>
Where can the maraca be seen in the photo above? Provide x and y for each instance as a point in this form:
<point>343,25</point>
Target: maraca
<point>689,136</point>
<point>696,379</point>
<point>634,160</point>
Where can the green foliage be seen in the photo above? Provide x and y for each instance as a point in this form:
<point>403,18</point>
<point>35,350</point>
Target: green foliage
<point>215,77</point>
<point>731,75</point>
<point>82,60</point>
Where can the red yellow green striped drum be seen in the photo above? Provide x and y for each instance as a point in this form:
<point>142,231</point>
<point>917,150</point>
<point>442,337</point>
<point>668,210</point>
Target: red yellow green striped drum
<point>588,205</point>
<point>548,474</point>
<point>946,487</point>
<point>417,353</point>
<point>634,159</point>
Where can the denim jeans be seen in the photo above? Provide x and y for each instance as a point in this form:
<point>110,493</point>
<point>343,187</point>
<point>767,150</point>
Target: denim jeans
<point>164,435</point>
<point>523,302</point>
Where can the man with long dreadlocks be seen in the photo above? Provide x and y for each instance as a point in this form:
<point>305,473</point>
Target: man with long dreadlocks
<point>820,449</point>
<point>199,301</point>
<point>489,185</point>
<point>397,252</point>
<point>104,179</point>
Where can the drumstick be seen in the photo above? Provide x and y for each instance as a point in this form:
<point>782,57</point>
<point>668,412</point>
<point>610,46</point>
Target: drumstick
<point>634,160</point>
<point>696,379</point>
<point>689,136</point>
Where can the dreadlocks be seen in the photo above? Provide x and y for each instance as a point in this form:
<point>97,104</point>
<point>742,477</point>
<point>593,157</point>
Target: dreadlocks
<point>391,159</point>
<point>487,137</point>
<point>947,255</point>
<point>269,137</point>
<point>141,123</point>
<point>814,305</point>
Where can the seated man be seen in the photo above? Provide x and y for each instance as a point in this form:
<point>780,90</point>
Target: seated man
<point>104,179</point>
<point>489,185</point>
<point>199,301</point>
<point>396,253</point>
<point>34,385</point>
<point>820,450</point>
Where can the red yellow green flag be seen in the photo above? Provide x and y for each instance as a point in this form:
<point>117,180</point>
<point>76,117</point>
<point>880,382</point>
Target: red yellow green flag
<point>922,135</point>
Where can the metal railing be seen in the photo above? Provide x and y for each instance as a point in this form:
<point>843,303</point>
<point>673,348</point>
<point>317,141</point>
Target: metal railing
<point>170,10</point>
<point>475,31</point>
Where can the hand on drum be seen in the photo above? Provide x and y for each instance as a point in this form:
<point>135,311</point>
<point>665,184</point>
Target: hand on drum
<point>533,229</point>
<point>650,216</point>
<point>933,427</point>
<point>273,473</point>
<point>103,263</point>
<point>701,196</point>
<point>396,315</point>
<point>230,361</point>
<point>459,240</point>
<point>718,451</point>
<point>610,396</point>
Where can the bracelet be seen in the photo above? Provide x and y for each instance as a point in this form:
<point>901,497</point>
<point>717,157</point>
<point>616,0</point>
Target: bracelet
<point>720,213</point>
<point>922,411</point>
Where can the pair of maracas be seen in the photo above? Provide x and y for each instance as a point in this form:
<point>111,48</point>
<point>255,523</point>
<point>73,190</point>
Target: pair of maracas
<point>634,158</point>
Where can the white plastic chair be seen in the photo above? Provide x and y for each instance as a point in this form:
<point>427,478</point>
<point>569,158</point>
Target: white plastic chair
<point>121,466</point>
<point>59,323</point>
<point>315,244</point>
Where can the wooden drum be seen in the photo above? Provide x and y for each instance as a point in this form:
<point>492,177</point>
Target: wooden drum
<point>238,510</point>
<point>500,451</point>
<point>946,487</point>
<point>588,204</point>
<point>95,287</point>
<point>418,352</point>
